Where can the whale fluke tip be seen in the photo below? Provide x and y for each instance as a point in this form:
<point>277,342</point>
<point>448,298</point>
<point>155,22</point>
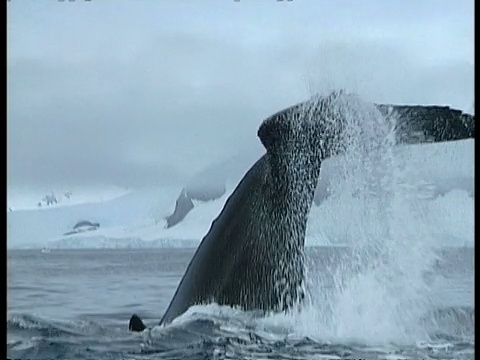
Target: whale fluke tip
<point>136,324</point>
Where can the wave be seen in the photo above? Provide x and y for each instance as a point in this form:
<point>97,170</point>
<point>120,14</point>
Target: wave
<point>213,331</point>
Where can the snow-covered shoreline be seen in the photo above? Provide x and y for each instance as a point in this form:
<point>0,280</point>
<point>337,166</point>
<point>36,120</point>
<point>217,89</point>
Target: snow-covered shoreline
<point>137,218</point>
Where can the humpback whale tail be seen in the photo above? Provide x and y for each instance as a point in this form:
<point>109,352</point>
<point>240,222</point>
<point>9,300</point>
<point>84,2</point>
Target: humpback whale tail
<point>252,256</point>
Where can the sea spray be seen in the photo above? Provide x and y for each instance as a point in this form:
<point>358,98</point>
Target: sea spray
<point>379,292</point>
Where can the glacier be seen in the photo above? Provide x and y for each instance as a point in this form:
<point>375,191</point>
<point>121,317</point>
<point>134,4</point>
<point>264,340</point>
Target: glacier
<point>444,173</point>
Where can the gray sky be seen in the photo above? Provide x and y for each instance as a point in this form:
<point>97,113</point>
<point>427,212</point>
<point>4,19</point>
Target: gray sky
<point>133,93</point>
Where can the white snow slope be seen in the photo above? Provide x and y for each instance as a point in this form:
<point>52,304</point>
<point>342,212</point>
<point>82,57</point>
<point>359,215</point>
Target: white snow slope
<point>442,175</point>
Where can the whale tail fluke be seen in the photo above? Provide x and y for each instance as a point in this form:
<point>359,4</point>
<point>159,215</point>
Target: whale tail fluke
<point>136,324</point>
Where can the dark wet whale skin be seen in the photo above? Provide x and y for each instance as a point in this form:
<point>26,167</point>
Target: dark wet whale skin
<point>252,256</point>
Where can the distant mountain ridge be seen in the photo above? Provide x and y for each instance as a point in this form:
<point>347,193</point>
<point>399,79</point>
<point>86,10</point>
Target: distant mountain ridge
<point>426,133</point>
<point>415,124</point>
<point>443,170</point>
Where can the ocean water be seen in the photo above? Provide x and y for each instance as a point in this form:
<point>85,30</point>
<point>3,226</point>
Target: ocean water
<point>76,304</point>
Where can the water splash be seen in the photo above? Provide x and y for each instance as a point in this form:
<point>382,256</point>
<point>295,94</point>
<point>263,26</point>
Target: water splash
<point>380,293</point>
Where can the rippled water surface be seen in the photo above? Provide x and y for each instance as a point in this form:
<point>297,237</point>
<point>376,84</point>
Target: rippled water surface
<point>76,305</point>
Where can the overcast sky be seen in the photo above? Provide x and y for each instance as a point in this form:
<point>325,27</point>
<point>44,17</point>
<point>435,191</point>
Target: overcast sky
<point>133,93</point>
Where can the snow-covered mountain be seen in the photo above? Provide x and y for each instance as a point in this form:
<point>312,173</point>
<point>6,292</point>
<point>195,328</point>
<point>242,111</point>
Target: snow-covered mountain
<point>442,172</point>
<point>24,199</point>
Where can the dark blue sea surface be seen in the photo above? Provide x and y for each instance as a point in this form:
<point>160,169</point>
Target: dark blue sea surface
<point>76,304</point>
